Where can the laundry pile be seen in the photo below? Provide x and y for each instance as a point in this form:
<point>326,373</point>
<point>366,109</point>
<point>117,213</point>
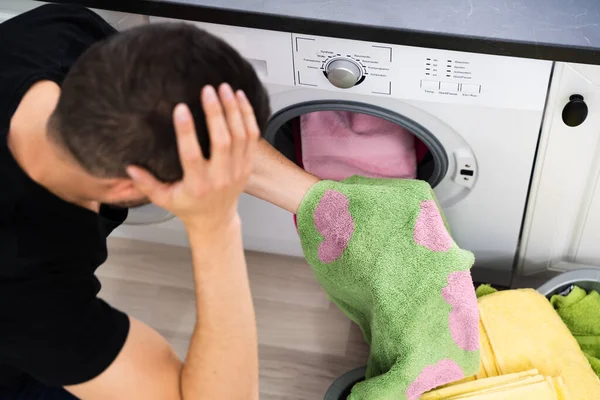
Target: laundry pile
<point>527,352</point>
<point>580,311</point>
<point>382,252</point>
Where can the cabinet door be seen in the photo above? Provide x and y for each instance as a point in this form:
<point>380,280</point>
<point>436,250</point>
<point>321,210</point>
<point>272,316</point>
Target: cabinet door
<point>588,251</point>
<point>562,223</point>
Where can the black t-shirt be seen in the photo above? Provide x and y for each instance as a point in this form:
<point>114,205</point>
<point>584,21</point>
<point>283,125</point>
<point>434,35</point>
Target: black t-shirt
<point>53,328</point>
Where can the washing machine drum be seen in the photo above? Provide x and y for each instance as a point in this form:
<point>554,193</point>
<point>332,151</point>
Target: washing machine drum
<point>284,134</point>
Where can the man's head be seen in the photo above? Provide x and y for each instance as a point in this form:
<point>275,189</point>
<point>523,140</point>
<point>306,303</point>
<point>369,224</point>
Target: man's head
<point>116,103</point>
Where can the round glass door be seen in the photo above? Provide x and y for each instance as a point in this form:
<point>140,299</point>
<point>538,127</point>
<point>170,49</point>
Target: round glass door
<point>286,128</point>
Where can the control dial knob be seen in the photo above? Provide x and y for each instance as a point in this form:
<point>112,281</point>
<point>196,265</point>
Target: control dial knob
<point>343,73</point>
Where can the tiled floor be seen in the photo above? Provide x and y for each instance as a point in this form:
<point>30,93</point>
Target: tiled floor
<point>305,341</point>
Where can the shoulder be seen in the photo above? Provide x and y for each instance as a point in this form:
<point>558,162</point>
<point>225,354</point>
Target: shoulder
<point>48,16</point>
<point>52,10</point>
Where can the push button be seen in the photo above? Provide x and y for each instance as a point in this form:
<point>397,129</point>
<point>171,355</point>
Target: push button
<point>449,87</point>
<point>470,88</point>
<point>430,85</point>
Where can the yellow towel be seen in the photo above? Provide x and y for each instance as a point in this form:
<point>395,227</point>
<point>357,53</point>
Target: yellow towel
<point>526,353</point>
<point>561,389</point>
<point>509,387</point>
<point>513,387</point>
<point>477,385</point>
<point>488,359</point>
<point>536,391</point>
<point>525,333</point>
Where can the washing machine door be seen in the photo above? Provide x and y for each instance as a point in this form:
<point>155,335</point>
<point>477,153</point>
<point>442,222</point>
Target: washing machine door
<point>453,170</point>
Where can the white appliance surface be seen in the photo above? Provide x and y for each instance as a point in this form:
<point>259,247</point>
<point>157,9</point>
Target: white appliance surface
<point>485,111</point>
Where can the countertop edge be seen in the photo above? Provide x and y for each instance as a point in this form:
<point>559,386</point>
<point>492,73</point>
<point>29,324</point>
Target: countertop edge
<point>471,44</point>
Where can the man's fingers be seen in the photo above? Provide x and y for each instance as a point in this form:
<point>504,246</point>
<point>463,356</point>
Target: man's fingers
<point>220,138</point>
<point>188,146</point>
<point>252,129</point>
<point>148,185</point>
<point>236,124</point>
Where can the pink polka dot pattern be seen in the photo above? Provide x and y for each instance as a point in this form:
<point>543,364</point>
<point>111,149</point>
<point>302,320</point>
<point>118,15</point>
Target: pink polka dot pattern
<point>334,222</point>
<point>430,230</point>
<point>464,317</point>
<point>432,376</point>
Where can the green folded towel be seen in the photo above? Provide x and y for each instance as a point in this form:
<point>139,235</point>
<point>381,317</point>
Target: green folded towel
<point>484,290</point>
<point>580,311</point>
<point>381,250</point>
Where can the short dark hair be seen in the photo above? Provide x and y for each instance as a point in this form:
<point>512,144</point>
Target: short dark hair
<point>117,101</point>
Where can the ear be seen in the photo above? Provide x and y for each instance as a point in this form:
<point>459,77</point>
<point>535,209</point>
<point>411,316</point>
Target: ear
<point>120,190</point>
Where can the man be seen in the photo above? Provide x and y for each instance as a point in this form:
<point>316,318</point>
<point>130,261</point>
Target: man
<point>92,121</point>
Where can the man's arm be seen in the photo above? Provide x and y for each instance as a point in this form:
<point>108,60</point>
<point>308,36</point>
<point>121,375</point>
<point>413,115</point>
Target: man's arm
<point>224,343</point>
<point>278,180</point>
<point>224,339</point>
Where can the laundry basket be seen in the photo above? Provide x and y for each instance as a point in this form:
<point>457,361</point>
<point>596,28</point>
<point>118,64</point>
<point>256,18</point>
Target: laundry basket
<point>341,387</point>
<point>588,279</point>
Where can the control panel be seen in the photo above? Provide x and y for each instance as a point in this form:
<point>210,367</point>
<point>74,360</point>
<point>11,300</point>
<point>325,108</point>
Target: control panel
<point>379,69</point>
<point>419,74</point>
<point>447,76</point>
<point>343,66</point>
<point>450,87</point>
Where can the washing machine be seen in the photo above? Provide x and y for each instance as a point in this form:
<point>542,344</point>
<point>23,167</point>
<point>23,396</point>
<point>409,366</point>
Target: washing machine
<point>478,115</point>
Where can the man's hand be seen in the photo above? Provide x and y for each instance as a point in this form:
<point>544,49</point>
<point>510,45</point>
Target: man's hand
<point>208,194</point>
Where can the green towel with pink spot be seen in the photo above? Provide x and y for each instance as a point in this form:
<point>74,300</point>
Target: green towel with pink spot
<point>382,251</point>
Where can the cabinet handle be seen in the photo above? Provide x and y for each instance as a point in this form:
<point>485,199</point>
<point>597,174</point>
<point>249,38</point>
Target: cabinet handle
<point>575,112</point>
